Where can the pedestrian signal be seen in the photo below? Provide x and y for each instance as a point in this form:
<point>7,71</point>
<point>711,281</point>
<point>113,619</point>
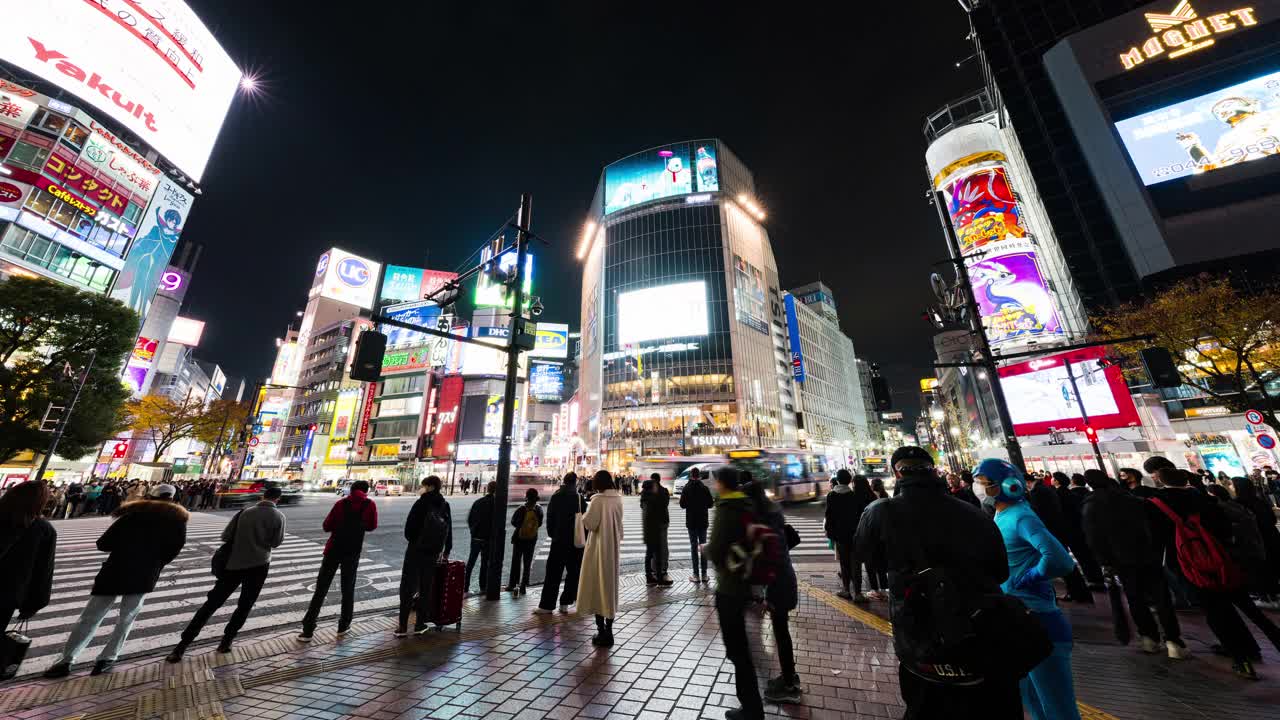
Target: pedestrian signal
<point>367,365</point>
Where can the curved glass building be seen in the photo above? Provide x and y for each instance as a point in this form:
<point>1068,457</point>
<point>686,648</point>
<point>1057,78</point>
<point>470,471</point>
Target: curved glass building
<point>684,346</point>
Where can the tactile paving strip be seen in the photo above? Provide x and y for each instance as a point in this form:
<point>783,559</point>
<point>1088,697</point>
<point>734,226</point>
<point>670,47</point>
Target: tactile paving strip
<point>186,697</point>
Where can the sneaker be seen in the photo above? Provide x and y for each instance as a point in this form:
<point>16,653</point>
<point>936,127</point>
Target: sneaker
<point>861,599</point>
<point>224,647</point>
<point>1176,651</point>
<point>844,595</point>
<point>1244,669</point>
<point>510,588</point>
<point>875,595</point>
<point>57,671</point>
<point>564,609</point>
<point>1148,645</point>
<point>542,611</point>
<point>650,580</point>
<point>779,690</point>
<point>694,578</point>
<point>304,636</point>
<point>400,632</point>
<point>343,630</point>
<point>666,581</point>
<point>421,629</point>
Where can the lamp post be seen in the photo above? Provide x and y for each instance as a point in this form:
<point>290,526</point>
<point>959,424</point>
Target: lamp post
<point>453,464</point>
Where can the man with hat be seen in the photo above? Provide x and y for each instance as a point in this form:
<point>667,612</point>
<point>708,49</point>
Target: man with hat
<point>923,527</point>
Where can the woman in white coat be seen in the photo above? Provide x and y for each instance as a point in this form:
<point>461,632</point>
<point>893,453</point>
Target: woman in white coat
<point>598,583</point>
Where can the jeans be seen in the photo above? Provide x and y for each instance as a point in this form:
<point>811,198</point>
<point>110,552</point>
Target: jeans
<point>732,612</point>
<point>1144,586</point>
<point>994,699</point>
<point>329,565</point>
<point>655,556</point>
<point>250,582</point>
<point>782,638</point>
<point>94,611</point>
<point>1048,691</point>
<point>521,559</point>
<point>479,548</point>
<point>416,576</point>
<point>697,536</point>
<point>567,559</point>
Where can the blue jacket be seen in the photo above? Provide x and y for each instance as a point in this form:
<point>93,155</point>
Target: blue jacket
<point>1035,557</point>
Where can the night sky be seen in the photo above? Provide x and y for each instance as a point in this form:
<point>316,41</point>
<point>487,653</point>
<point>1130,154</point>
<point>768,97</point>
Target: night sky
<point>406,134</point>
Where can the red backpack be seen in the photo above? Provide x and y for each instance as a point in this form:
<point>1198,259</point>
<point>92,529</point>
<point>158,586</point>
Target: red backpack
<point>758,557</point>
<point>1204,561</point>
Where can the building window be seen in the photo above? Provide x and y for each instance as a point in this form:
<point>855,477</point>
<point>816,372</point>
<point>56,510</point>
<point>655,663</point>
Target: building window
<point>57,258</point>
<point>28,155</point>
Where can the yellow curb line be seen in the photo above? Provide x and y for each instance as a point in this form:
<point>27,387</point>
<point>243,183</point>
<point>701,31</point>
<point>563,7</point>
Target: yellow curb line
<point>875,622</point>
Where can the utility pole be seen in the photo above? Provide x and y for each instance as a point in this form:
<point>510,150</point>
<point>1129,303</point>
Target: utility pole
<point>65,417</point>
<point>1093,438</point>
<point>497,548</point>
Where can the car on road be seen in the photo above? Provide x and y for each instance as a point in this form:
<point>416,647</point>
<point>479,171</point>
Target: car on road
<point>704,469</point>
<point>247,492</point>
<point>387,488</point>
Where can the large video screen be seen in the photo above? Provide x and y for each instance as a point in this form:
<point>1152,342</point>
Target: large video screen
<point>662,172</point>
<point>658,313</point>
<point>1041,398</point>
<point>1234,125</point>
<point>423,312</point>
<point>546,381</point>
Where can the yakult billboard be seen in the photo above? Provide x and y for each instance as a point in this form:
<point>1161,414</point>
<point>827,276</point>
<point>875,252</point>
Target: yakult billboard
<point>151,65</point>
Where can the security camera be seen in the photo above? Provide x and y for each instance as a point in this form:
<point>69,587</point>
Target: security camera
<point>537,308</point>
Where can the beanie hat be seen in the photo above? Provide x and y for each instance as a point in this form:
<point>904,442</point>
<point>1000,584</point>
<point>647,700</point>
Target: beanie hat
<point>1002,474</point>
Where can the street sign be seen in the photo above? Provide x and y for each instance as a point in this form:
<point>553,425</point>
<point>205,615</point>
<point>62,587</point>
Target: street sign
<point>1266,441</point>
<point>253,442</point>
<point>1253,417</point>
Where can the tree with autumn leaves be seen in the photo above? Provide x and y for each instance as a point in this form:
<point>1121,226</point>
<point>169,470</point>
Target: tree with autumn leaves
<point>164,421</point>
<point>1226,343</point>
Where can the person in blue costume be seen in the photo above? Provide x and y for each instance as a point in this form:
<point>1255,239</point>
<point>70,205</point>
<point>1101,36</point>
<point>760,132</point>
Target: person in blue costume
<point>1035,558</point>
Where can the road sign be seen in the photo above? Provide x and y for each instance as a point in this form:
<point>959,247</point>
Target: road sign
<point>1266,441</point>
<point>253,442</point>
<point>1253,417</point>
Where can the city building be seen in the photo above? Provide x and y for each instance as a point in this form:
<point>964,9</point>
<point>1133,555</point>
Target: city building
<point>683,335</point>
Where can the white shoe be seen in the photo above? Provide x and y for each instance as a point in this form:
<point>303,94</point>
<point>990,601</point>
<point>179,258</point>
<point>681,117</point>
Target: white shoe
<point>564,609</point>
<point>694,579</point>
<point>1148,645</point>
<point>541,611</point>
<point>304,637</point>
<point>1176,651</point>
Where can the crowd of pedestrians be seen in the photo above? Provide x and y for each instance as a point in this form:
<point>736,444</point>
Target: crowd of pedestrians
<point>103,497</point>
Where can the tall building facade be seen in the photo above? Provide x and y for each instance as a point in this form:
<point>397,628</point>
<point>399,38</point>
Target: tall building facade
<point>683,344</point>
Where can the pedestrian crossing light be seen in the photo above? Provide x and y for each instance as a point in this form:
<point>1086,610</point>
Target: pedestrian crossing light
<point>1090,433</point>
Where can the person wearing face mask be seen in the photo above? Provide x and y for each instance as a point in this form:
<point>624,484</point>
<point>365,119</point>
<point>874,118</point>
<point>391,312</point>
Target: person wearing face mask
<point>1035,558</point>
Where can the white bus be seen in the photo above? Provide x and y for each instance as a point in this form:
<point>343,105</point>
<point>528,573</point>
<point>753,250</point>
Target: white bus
<point>674,469</point>
<point>789,475</point>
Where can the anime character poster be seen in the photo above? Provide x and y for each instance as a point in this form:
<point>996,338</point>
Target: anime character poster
<point>983,209</point>
<point>1012,297</point>
<point>161,227</point>
<point>650,175</point>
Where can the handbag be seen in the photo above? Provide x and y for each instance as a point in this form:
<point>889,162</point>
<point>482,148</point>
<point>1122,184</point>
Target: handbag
<point>579,531</point>
<point>218,563</point>
<point>13,649</point>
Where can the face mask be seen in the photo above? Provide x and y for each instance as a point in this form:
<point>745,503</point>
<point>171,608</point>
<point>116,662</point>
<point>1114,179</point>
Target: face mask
<point>988,501</point>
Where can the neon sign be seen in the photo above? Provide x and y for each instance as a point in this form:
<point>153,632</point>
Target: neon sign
<point>1182,32</point>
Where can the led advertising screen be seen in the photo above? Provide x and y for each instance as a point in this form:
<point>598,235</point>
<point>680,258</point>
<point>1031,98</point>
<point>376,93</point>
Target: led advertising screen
<point>1041,399</point>
<point>421,312</point>
<point>347,278</point>
<point>546,381</point>
<point>151,66</point>
<point>983,208</point>
<point>1221,457</point>
<point>667,311</point>
<point>748,295</point>
<point>1233,125</point>
<point>1013,299</point>
<point>551,341</point>
<point>447,415</point>
<point>401,283</point>
<point>494,294</point>
<point>660,173</point>
<point>162,225</point>
<point>185,331</point>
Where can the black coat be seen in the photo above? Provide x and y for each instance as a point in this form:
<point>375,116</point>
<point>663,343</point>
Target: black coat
<point>563,505</point>
<point>844,510</point>
<point>517,519</point>
<point>417,516</point>
<point>654,516</point>
<point>783,593</point>
<point>1117,526</point>
<point>480,519</point>
<point>1044,500</point>
<point>26,564</point>
<point>1071,502</point>
<point>697,503</point>
<point>146,536</point>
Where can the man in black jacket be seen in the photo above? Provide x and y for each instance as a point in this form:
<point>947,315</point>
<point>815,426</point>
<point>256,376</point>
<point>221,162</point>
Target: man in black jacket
<point>922,525</point>
<point>429,530</point>
<point>1048,507</point>
<point>844,509</point>
<point>655,519</point>
<point>480,522</point>
<point>697,503</point>
<point>146,536</point>
<point>565,557</point>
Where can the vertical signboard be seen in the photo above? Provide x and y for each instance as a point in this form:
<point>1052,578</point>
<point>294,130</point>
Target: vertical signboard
<point>161,227</point>
<point>793,330</point>
<point>447,416</point>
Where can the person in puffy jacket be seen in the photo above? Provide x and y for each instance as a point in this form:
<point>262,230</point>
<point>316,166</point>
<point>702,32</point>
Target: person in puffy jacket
<point>1035,558</point>
<point>480,523</point>
<point>527,520</point>
<point>27,545</point>
<point>429,532</point>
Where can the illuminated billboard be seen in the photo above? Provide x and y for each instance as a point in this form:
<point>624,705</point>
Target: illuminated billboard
<point>1041,398</point>
<point>401,283</point>
<point>982,208</point>
<point>495,294</point>
<point>661,172</point>
<point>347,278</point>
<point>546,381</point>
<point>551,341</point>
<point>1230,126</point>
<point>422,312</point>
<point>151,66</point>
<point>446,415</point>
<point>185,331</point>
<point>1013,299</point>
<point>748,295</point>
<point>149,255</point>
<point>666,311</point>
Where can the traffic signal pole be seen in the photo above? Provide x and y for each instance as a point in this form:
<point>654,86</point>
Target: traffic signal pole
<point>1092,436</point>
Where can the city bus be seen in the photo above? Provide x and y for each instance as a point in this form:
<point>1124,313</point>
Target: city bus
<point>790,475</point>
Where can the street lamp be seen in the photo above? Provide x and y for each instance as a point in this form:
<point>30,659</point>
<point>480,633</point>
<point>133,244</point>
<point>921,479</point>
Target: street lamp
<point>453,463</point>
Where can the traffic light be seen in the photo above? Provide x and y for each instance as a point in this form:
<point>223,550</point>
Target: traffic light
<point>367,363</point>
<point>1090,434</point>
<point>1160,366</point>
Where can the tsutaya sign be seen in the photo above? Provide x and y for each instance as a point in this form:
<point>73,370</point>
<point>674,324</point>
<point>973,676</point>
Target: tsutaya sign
<point>1183,31</point>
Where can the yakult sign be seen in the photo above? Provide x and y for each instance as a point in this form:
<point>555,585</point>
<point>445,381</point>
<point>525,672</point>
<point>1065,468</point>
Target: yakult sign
<point>149,64</point>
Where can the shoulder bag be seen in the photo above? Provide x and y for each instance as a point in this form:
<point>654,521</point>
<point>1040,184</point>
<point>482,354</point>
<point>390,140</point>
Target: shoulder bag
<point>218,564</point>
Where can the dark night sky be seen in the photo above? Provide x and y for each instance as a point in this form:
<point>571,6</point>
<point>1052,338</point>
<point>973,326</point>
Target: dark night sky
<point>403,132</point>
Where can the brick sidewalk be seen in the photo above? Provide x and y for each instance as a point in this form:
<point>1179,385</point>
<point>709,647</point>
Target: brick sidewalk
<point>668,662</point>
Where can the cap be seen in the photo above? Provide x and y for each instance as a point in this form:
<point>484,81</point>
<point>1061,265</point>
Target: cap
<point>162,490</point>
<point>909,452</point>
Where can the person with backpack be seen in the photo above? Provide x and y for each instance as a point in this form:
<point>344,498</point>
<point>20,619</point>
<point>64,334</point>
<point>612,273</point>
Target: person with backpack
<point>526,520</point>
<point>844,509</point>
<point>565,557</point>
<point>697,502</point>
<point>655,519</point>
<point>429,532</point>
<point>781,596</point>
<point>598,583</point>
<point>1247,550</point>
<point>480,523</point>
<point>27,545</point>
<point>347,522</point>
<point>1117,525</point>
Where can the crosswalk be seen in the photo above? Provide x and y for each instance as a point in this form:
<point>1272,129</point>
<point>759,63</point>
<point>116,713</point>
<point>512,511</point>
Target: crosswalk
<point>184,584</point>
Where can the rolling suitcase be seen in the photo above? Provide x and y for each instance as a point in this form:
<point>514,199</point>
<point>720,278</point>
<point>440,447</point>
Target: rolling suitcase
<point>446,606</point>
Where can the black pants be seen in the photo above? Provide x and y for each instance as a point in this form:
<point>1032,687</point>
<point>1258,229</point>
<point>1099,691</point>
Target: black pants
<point>732,612</point>
<point>566,559</point>
<point>697,536</point>
<point>328,566</point>
<point>1220,614</point>
<point>416,577</point>
<point>1144,586</point>
<point>479,549</point>
<point>1084,555</point>
<point>850,568</point>
<point>1244,603</point>
<point>250,582</point>
<point>992,700</point>
<point>6,617</point>
<point>521,560</point>
<point>782,638</point>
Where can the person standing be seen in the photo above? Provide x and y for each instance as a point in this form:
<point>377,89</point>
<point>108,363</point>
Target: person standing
<point>252,534</point>
<point>1071,494</point>
<point>27,545</point>
<point>598,583</point>
<point>844,508</point>
<point>480,523</point>
<point>918,530</point>
<point>655,519</point>
<point>145,537</point>
<point>1035,558</point>
<point>565,557</point>
<point>524,541</point>
<point>697,503</point>
<point>429,530</point>
<point>75,495</point>
<point>1047,505</point>
<point>782,596</point>
<point>347,522</point>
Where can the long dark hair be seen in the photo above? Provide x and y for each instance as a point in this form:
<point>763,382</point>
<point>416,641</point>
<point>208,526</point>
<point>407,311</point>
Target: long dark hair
<point>862,490</point>
<point>1245,492</point>
<point>23,503</point>
<point>602,481</point>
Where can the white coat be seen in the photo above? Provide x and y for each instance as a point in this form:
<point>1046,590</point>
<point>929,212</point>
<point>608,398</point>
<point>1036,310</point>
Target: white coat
<point>598,583</point>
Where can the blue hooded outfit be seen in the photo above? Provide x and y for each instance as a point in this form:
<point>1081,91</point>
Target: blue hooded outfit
<point>1035,558</point>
